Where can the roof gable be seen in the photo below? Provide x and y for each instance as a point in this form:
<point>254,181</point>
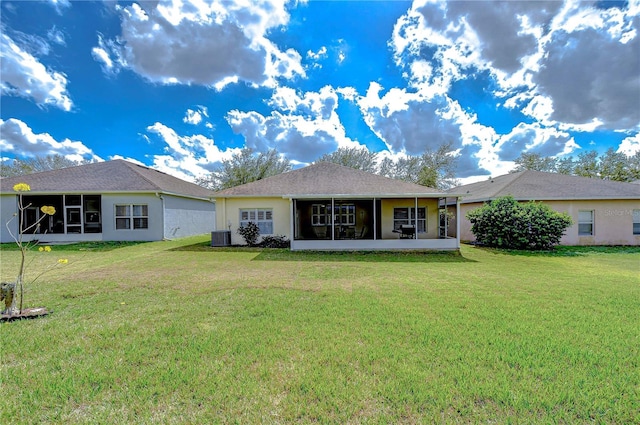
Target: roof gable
<point>109,176</point>
<point>537,185</point>
<point>327,179</point>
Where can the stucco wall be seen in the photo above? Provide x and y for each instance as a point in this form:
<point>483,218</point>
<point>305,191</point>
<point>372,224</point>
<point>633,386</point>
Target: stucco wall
<point>228,215</point>
<point>613,221</point>
<point>187,217</point>
<point>387,206</point>
<point>8,207</point>
<point>156,219</point>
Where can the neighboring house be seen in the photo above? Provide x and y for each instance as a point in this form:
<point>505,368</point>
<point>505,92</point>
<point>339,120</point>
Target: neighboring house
<point>108,201</point>
<point>326,206</point>
<point>604,212</point>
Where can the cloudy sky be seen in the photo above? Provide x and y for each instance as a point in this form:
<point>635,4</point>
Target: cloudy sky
<point>181,85</point>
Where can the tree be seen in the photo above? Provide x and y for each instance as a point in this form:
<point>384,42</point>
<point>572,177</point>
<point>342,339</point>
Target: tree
<point>434,168</point>
<point>245,167</point>
<point>616,166</point>
<point>358,158</point>
<point>19,167</point>
<point>506,223</point>
<point>534,161</point>
<point>587,164</point>
<point>565,165</point>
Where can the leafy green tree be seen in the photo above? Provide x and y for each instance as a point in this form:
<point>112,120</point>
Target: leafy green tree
<point>434,168</point>
<point>587,164</point>
<point>506,223</point>
<point>616,166</point>
<point>358,158</point>
<point>245,167</point>
<point>565,165</point>
<point>534,161</point>
<point>19,167</point>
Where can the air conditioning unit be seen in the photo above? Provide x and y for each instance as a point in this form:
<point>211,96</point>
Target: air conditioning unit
<point>221,238</point>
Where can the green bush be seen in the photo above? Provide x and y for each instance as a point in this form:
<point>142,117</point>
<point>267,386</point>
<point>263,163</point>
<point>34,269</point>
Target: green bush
<point>277,241</point>
<point>250,233</point>
<point>507,223</point>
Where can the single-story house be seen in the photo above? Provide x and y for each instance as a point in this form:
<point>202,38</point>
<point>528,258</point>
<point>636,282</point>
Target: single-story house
<point>604,212</point>
<point>107,201</point>
<point>326,206</point>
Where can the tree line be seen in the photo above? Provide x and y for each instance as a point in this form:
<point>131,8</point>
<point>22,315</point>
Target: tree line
<point>434,168</point>
<point>611,165</point>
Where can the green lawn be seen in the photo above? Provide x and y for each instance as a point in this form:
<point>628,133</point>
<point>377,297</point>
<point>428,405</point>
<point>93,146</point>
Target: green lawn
<point>176,332</point>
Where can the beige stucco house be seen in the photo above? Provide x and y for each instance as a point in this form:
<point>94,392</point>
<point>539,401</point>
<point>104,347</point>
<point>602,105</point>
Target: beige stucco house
<point>326,206</point>
<point>604,212</point>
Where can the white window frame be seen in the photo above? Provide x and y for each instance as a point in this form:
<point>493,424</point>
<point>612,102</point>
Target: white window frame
<point>411,219</point>
<point>320,214</point>
<point>262,217</point>
<point>636,221</point>
<point>586,222</point>
<point>136,219</point>
<point>345,214</point>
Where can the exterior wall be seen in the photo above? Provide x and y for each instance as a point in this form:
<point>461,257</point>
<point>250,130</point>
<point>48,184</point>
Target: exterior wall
<point>613,221</point>
<point>228,215</point>
<point>155,232</point>
<point>387,206</point>
<point>187,217</point>
<point>8,207</point>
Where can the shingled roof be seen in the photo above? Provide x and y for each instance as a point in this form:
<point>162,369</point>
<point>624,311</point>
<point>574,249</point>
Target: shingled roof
<point>328,179</point>
<point>106,177</point>
<point>540,186</point>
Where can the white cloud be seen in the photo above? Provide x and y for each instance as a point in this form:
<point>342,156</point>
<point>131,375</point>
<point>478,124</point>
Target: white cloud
<point>18,138</point>
<point>570,65</point>
<point>21,74</point>
<point>534,138</point>
<point>213,44</point>
<point>630,145</point>
<point>187,157</point>
<point>303,127</point>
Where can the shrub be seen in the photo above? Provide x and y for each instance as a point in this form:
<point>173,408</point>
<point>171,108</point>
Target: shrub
<point>250,233</point>
<point>278,241</point>
<point>506,223</point>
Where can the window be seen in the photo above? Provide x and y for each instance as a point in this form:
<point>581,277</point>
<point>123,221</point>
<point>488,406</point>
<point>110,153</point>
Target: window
<point>320,214</point>
<point>345,214</point>
<point>636,222</point>
<point>262,217</point>
<point>585,223</point>
<point>408,216</point>
<point>132,217</point>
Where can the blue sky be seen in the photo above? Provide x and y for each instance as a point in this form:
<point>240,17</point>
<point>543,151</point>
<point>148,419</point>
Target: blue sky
<point>180,86</point>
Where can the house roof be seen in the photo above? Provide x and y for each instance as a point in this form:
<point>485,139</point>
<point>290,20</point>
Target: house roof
<point>106,177</point>
<point>537,185</point>
<point>327,179</point>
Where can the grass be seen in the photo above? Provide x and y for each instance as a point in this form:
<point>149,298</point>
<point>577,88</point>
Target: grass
<point>177,332</point>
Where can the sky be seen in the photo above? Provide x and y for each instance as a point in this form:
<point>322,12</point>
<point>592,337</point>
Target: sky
<point>182,85</point>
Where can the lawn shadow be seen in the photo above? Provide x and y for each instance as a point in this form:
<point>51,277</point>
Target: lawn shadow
<point>564,251</point>
<point>284,254</point>
<point>364,256</point>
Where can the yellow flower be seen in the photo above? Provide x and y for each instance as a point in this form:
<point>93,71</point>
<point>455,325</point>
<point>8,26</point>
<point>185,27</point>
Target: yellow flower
<point>47,249</point>
<point>63,261</point>
<point>47,209</point>
<point>21,187</point>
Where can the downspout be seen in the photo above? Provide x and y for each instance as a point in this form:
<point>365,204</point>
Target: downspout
<point>164,236</point>
<point>458,222</point>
